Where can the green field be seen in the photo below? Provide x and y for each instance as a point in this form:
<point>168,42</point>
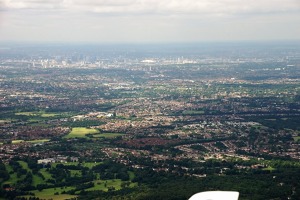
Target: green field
<point>46,174</point>
<point>116,183</point>
<point>27,113</point>
<point>24,165</point>
<point>17,141</point>
<point>38,141</point>
<point>297,138</point>
<point>59,192</point>
<point>98,185</point>
<point>76,173</point>
<point>13,176</point>
<point>104,185</point>
<point>37,114</point>
<point>12,179</point>
<point>269,168</point>
<point>90,164</point>
<point>49,114</point>
<point>81,132</point>
<point>31,141</point>
<point>107,135</point>
<point>85,164</point>
<point>36,180</point>
<point>49,193</point>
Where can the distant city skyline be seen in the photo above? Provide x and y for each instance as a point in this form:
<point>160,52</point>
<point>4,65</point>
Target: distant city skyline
<point>148,21</point>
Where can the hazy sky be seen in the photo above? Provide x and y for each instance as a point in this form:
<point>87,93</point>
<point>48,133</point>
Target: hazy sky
<point>148,20</point>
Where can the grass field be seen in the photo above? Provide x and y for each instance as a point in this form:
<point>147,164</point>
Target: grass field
<point>49,193</point>
<point>85,164</point>
<point>13,176</point>
<point>103,185</point>
<point>37,114</point>
<point>38,141</point>
<point>116,183</point>
<point>81,132</point>
<point>76,173</point>
<point>297,138</point>
<point>27,113</point>
<point>49,114</point>
<point>17,141</point>
<point>24,165</point>
<point>269,168</point>
<point>90,164</point>
<point>14,179</point>
<point>46,174</point>
<point>107,135</point>
<point>31,141</point>
<point>55,193</point>
<point>37,180</point>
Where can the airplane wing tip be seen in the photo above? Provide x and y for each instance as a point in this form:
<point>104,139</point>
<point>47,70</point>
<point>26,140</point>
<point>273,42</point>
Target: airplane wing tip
<point>216,195</point>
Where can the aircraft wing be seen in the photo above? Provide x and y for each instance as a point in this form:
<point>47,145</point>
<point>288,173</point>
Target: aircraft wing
<point>216,195</point>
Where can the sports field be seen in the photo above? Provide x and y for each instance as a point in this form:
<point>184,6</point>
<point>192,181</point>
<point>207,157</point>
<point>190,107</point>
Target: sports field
<point>81,132</point>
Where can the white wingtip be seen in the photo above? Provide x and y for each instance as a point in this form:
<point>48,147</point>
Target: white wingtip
<point>215,195</point>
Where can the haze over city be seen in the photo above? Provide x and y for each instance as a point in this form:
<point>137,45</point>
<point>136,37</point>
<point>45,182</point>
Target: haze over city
<point>148,21</point>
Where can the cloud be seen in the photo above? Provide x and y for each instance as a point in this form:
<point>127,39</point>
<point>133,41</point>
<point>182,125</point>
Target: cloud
<point>32,4</point>
<point>148,20</point>
<point>164,7</point>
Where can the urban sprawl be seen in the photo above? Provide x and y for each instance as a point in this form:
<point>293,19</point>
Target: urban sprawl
<point>196,115</point>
